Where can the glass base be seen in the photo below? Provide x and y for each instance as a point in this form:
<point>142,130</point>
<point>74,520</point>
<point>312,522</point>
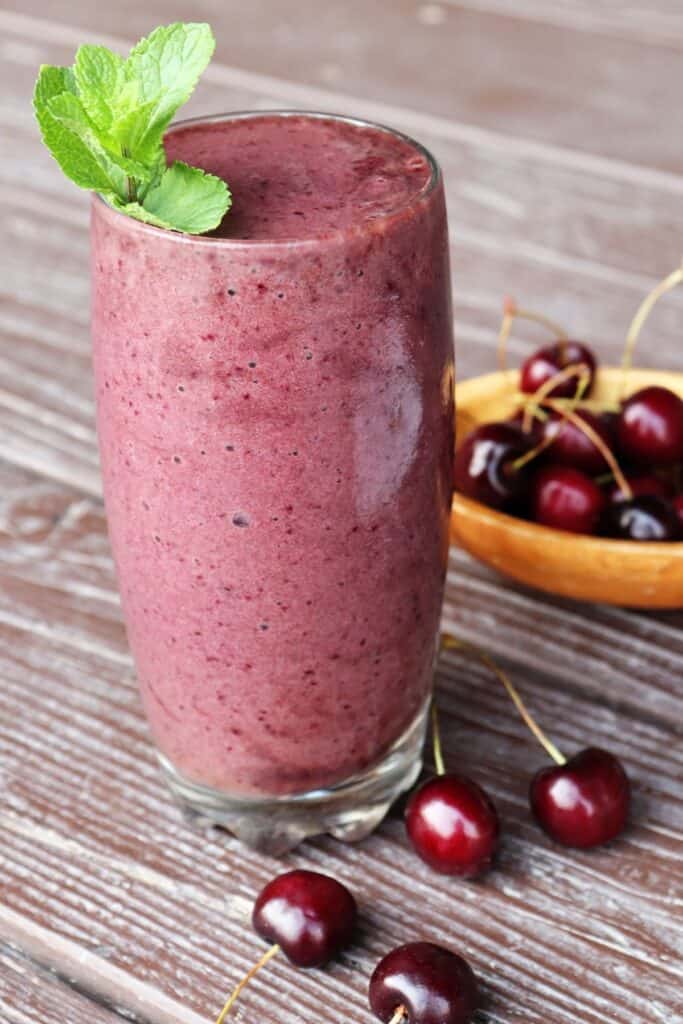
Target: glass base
<point>274,825</point>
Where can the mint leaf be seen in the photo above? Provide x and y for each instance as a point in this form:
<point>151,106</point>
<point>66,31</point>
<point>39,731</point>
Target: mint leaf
<point>188,199</point>
<point>104,120</point>
<point>99,78</point>
<point>63,123</point>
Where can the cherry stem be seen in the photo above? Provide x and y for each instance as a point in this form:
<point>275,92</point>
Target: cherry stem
<point>439,763</point>
<point>400,1014</point>
<point>642,313</point>
<point>451,643</point>
<point>594,437</point>
<point>578,370</point>
<point>268,955</point>
<point>512,312</point>
<point>530,455</point>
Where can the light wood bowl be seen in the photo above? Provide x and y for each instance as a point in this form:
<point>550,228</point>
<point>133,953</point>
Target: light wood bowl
<point>626,573</point>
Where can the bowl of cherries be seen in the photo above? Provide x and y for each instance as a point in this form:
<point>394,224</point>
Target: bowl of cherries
<point>569,475</point>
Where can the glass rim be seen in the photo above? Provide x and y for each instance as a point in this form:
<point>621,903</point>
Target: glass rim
<point>435,177</point>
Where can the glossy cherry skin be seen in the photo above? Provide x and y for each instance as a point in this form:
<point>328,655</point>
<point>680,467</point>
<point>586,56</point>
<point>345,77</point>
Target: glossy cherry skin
<point>584,802</point>
<point>311,916</point>
<point>645,483</point>
<point>572,447</point>
<point>566,499</point>
<point>453,825</point>
<point>548,361</point>
<point>645,518</point>
<point>483,464</point>
<point>650,429</point>
<point>434,985</point>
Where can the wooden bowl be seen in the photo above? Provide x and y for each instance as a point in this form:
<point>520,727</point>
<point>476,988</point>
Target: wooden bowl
<point>619,572</point>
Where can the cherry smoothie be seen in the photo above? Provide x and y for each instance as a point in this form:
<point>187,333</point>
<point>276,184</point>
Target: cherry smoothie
<point>275,420</point>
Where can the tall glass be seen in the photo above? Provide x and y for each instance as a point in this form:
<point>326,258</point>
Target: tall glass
<point>275,418</point>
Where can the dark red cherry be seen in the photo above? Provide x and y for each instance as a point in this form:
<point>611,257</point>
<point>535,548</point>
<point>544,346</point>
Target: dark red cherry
<point>583,802</point>
<point>645,483</point>
<point>678,509</point>
<point>433,985</point>
<point>484,467</point>
<point>453,825</point>
<point>647,518</point>
<point>566,499</point>
<point>572,447</point>
<point>650,429</point>
<point>535,431</point>
<point>548,361</point>
<point>311,916</point>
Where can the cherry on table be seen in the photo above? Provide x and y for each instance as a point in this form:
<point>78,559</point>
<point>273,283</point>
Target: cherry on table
<point>645,518</point>
<point>311,916</point>
<point>566,499</point>
<point>453,825</point>
<point>583,802</point>
<point>572,446</point>
<point>422,983</point>
<point>485,464</point>
<point>307,915</point>
<point>650,428</point>
<point>544,364</point>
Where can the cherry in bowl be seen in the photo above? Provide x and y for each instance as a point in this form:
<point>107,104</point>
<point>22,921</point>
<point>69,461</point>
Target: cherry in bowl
<point>485,464</point>
<point>566,499</point>
<point>549,361</point>
<point>647,517</point>
<point>650,427</point>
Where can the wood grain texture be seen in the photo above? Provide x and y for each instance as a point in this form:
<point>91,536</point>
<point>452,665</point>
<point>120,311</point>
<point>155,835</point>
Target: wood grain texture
<point>31,994</point>
<point>562,189</point>
<point>114,871</point>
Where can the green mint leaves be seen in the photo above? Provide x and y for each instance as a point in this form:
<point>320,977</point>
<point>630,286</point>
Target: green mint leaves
<point>104,120</point>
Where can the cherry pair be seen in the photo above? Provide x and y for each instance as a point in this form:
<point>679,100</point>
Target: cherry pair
<point>454,826</point>
<point>311,917</point>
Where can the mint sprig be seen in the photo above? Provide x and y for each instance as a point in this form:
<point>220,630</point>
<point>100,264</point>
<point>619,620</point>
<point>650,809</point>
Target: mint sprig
<point>104,120</point>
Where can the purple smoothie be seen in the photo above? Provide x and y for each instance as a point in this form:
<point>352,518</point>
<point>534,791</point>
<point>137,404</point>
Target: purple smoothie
<point>275,421</point>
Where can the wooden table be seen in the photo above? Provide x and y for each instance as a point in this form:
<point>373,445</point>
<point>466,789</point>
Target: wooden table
<point>559,129</point>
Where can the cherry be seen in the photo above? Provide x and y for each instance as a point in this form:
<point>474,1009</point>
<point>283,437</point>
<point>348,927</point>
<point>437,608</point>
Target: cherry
<point>535,427</point>
<point>572,446</point>
<point>647,518</point>
<point>453,825</point>
<point>650,428</point>
<point>639,484</point>
<point>566,499</point>
<point>422,983</point>
<point>484,464</point>
<point>583,802</point>
<point>309,915</point>
<point>678,509</point>
<point>550,360</point>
